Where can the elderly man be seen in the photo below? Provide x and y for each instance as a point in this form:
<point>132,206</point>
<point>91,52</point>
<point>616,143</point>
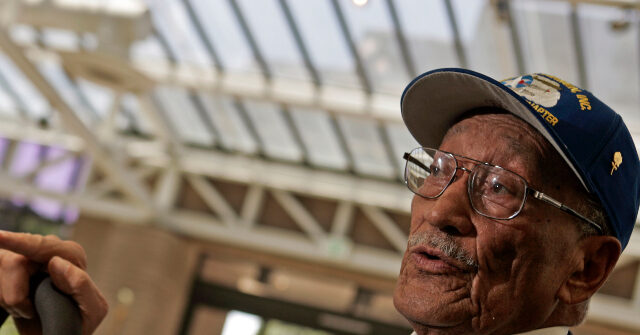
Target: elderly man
<point>521,212</point>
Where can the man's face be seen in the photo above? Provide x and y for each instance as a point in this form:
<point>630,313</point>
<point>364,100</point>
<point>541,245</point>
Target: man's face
<point>508,272</point>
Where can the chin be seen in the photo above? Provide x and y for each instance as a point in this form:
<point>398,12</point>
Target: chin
<point>435,304</point>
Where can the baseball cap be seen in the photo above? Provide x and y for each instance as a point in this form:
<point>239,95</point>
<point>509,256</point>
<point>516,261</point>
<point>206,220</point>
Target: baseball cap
<point>588,134</point>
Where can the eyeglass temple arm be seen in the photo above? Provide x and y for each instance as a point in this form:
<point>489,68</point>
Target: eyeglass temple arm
<point>555,203</point>
<point>412,159</point>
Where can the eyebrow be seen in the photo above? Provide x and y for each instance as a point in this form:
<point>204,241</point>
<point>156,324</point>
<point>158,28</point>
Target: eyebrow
<point>532,154</point>
<point>516,146</point>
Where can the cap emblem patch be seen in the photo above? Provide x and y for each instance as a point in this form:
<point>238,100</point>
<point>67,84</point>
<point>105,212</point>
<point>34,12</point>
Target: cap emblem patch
<point>617,161</point>
<point>537,89</point>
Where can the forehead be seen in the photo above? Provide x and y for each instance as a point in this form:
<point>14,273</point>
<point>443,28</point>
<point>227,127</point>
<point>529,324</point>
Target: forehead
<point>500,139</point>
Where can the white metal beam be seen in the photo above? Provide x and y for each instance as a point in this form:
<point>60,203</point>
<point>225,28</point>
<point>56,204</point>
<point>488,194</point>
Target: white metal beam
<point>116,29</point>
<point>281,242</point>
<point>633,247</point>
<point>108,125</point>
<point>29,175</point>
<point>251,206</point>
<point>49,137</point>
<point>213,199</point>
<point>166,189</point>
<point>92,206</point>
<point>101,187</point>
<point>9,155</point>
<point>159,123</point>
<point>300,215</point>
<point>292,177</point>
<point>289,92</point>
<point>386,226</point>
<point>343,219</point>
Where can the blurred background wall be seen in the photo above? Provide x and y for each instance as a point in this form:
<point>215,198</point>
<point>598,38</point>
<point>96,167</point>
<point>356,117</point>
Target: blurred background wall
<point>234,166</point>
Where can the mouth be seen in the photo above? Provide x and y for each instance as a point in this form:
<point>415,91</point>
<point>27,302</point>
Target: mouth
<point>434,261</point>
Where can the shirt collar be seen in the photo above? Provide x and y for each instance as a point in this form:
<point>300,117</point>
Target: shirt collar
<point>544,331</point>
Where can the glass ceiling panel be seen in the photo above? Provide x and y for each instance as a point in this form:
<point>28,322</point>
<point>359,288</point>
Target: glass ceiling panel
<point>182,114</point>
<point>8,106</point>
<point>611,58</point>
<point>58,177</point>
<point>485,38</point>
<point>234,134</point>
<point>401,142</point>
<point>319,138</point>
<point>101,100</point>
<point>274,38</point>
<point>375,39</point>
<point>54,73</point>
<point>37,106</point>
<point>327,48</point>
<point>366,147</point>
<point>172,21</point>
<point>25,158</point>
<point>223,30</point>
<point>275,135</point>
<point>18,103</point>
<point>428,33</point>
<point>548,44</point>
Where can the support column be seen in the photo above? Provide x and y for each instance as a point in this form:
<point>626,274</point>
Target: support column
<point>144,272</point>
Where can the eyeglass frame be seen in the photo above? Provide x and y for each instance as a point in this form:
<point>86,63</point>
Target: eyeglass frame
<point>528,190</point>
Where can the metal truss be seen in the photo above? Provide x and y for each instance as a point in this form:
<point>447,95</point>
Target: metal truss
<point>222,223</point>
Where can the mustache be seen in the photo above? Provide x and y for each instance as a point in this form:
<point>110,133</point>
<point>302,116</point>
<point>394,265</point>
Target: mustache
<point>446,244</point>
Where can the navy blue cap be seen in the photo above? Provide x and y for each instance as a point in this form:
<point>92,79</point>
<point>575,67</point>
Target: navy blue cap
<point>587,133</point>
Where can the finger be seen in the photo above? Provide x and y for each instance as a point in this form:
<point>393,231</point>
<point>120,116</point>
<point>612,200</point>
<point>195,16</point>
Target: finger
<point>41,249</point>
<point>10,258</point>
<point>14,284</point>
<point>74,281</point>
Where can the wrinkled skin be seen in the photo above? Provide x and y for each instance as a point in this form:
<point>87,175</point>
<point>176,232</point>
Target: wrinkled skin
<point>526,265</point>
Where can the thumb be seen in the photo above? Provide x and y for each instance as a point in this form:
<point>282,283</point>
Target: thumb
<point>75,282</point>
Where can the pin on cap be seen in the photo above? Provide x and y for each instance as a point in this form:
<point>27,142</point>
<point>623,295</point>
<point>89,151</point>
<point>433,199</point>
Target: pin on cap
<point>587,133</point>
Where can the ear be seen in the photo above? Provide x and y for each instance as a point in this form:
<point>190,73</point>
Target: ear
<point>599,255</point>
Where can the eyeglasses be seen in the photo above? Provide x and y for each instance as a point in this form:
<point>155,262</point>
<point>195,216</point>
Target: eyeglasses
<point>494,192</point>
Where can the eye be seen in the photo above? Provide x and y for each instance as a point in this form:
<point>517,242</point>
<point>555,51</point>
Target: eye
<point>497,188</point>
<point>435,171</point>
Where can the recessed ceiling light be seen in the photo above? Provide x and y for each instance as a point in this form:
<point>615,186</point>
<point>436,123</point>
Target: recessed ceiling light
<point>360,3</point>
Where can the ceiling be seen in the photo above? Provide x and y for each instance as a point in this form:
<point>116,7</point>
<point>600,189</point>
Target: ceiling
<point>289,99</point>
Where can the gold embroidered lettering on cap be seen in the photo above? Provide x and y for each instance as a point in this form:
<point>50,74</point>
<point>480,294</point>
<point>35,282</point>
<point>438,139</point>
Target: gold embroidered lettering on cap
<point>617,160</point>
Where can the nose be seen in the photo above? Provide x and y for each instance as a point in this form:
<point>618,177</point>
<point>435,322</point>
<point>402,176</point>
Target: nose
<point>450,212</point>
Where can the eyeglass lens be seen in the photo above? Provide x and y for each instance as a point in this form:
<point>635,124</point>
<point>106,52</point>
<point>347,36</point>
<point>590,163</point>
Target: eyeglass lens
<point>493,191</point>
